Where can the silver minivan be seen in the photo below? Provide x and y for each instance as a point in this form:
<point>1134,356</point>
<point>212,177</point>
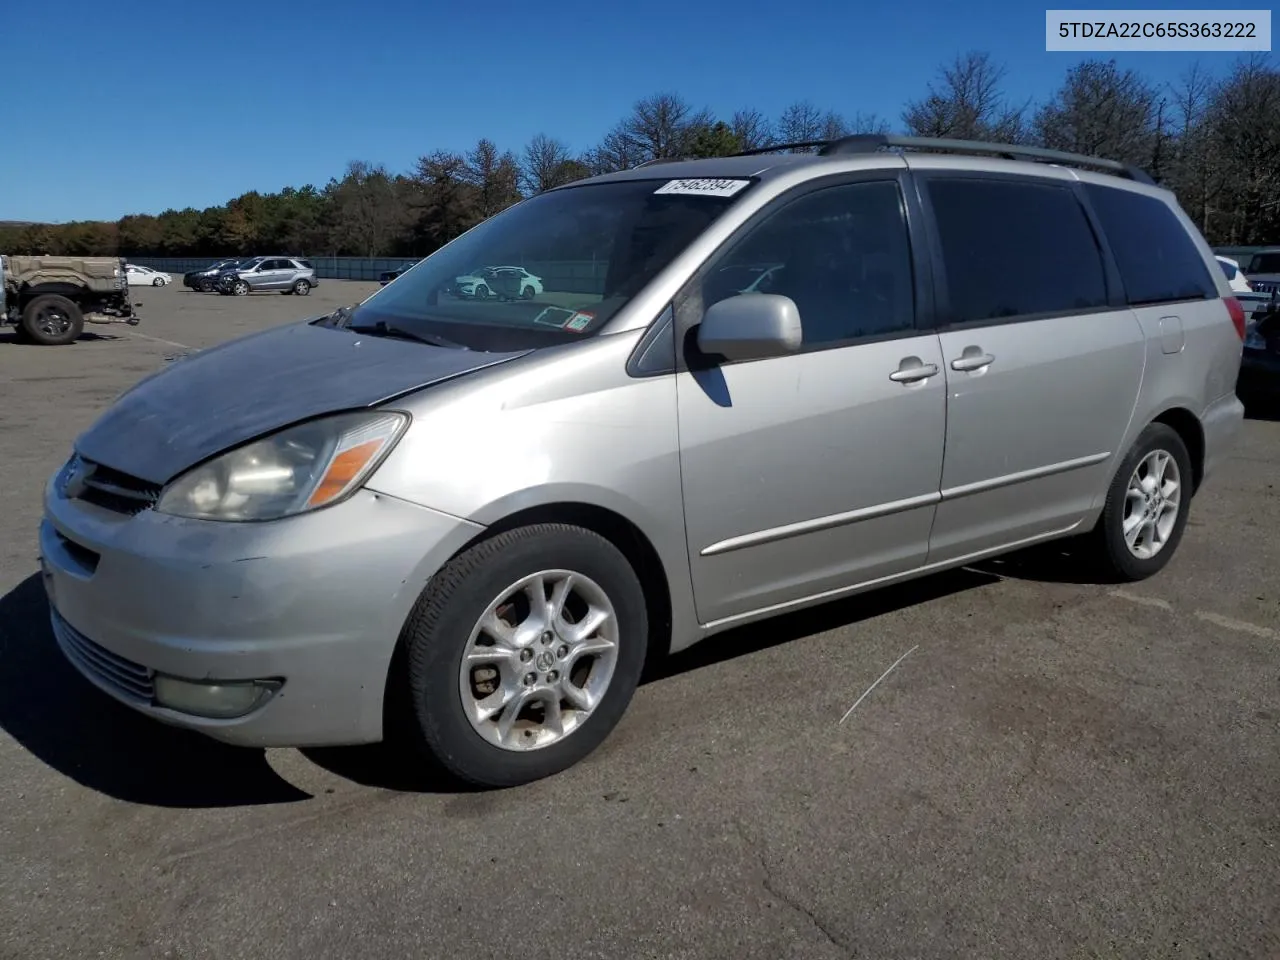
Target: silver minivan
<point>474,521</point>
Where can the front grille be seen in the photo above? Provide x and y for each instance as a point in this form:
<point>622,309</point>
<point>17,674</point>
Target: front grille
<point>128,679</point>
<point>117,491</point>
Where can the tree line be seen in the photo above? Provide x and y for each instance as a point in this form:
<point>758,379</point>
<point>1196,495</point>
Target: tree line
<point>1214,140</point>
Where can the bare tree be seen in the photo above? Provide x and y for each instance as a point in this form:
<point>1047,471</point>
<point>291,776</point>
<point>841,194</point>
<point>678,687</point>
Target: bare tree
<point>446,200</point>
<point>752,128</point>
<point>659,127</point>
<point>543,164</point>
<point>1104,112</point>
<point>1195,176</point>
<point>834,126</point>
<point>1244,127</point>
<point>967,103</point>
<point>801,122</point>
<point>495,176</point>
<point>866,123</point>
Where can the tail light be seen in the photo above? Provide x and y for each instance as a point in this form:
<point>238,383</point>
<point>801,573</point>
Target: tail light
<point>1237,315</point>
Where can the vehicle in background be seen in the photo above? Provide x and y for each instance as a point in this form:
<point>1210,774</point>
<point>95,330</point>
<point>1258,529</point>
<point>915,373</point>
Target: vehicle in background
<point>475,522</point>
<point>202,279</point>
<point>388,275</point>
<point>503,283</point>
<point>1231,268</point>
<point>290,275</point>
<point>50,299</point>
<point>1264,271</point>
<point>145,276</point>
<point>1260,364</point>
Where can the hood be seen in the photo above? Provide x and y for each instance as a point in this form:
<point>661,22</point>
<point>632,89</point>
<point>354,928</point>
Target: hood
<point>215,399</point>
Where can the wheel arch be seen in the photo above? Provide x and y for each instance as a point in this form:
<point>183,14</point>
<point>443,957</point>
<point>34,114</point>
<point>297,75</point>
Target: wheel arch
<point>624,534</point>
<point>620,531</point>
<point>71,291</point>
<point>1187,425</point>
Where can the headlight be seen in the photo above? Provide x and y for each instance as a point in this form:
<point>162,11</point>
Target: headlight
<point>298,469</point>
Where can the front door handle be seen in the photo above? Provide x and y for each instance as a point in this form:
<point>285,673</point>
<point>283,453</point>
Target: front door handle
<point>912,370</point>
<point>972,359</point>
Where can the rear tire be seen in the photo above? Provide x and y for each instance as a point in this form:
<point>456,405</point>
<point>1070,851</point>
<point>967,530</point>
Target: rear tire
<point>52,321</point>
<point>444,691</point>
<point>302,288</point>
<point>1146,507</point>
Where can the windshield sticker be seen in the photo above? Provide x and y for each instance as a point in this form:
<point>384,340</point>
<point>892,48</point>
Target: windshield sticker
<point>579,322</point>
<point>557,317</point>
<point>705,188</point>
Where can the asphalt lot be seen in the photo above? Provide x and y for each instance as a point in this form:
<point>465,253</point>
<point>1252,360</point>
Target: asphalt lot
<point>1058,769</point>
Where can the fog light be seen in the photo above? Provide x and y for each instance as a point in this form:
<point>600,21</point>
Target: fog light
<point>221,700</point>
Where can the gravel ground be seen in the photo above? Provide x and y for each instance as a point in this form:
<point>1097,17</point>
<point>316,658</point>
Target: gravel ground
<point>1058,769</point>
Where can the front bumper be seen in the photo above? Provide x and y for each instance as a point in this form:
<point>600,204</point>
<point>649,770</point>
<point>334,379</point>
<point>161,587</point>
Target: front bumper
<point>318,600</point>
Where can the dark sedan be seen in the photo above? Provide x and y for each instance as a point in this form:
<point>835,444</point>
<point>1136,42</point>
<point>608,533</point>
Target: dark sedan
<point>388,275</point>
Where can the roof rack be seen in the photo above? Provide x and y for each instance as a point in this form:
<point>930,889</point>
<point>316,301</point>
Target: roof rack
<point>872,142</point>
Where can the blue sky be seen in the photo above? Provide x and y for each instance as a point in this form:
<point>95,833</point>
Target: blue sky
<point>193,108</point>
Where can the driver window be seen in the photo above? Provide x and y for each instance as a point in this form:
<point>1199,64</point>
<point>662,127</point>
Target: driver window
<point>841,253</point>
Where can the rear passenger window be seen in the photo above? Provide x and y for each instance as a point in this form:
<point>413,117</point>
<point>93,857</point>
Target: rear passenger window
<point>1015,249</point>
<point>1158,262</point>
<point>841,253</point>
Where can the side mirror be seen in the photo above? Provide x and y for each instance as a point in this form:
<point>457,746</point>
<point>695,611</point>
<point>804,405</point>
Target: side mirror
<point>751,326</point>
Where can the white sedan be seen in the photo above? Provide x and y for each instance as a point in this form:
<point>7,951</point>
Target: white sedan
<point>1234,277</point>
<point>145,276</point>
<point>480,283</point>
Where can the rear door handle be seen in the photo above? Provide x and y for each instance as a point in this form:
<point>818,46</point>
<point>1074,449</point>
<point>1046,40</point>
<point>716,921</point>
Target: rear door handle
<point>912,370</point>
<point>972,359</point>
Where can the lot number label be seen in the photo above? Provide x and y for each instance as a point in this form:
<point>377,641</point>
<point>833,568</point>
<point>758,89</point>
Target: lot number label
<point>706,188</point>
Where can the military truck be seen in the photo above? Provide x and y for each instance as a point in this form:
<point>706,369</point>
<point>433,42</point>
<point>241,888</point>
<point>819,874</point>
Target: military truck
<point>50,299</point>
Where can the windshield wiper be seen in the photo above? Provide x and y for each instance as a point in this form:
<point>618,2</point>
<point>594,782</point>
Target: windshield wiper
<point>384,329</point>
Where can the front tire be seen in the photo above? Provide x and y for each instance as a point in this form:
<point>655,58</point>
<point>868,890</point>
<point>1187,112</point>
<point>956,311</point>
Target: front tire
<point>1146,507</point>
<point>240,288</point>
<point>52,321</point>
<point>505,689</point>
<point>158,282</point>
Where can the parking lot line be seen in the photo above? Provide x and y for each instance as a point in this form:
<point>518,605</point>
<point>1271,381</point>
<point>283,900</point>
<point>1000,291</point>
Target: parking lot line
<point>147,336</point>
<point>1145,601</point>
<point>1240,626</point>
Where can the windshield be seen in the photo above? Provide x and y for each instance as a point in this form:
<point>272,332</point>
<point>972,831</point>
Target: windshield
<point>554,268</point>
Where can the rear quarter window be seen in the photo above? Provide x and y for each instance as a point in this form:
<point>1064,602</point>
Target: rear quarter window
<point>1158,260</point>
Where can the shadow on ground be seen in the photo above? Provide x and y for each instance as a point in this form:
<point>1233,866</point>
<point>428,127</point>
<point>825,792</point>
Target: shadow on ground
<point>10,336</point>
<point>58,716</point>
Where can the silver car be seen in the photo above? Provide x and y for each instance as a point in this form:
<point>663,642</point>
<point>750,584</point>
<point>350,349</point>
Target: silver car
<point>280,274</point>
<point>474,522</point>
